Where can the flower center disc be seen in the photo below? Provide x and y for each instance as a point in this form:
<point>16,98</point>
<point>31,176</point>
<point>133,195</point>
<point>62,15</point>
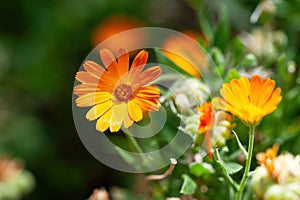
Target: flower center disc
<point>123,92</point>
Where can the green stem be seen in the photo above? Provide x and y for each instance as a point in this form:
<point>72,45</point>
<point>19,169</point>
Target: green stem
<point>137,148</point>
<point>248,163</point>
<point>222,166</point>
<point>132,141</point>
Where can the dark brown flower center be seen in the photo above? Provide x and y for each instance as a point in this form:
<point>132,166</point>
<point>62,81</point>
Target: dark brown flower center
<point>123,92</point>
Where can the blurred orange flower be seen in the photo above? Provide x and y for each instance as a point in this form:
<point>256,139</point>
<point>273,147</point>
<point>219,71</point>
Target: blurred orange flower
<point>267,159</point>
<point>249,100</point>
<point>207,115</point>
<point>9,168</point>
<point>186,54</point>
<point>117,94</point>
<point>114,25</point>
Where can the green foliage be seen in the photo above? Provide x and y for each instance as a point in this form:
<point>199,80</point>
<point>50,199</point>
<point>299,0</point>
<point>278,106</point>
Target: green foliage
<point>232,167</point>
<point>189,186</point>
<point>199,169</point>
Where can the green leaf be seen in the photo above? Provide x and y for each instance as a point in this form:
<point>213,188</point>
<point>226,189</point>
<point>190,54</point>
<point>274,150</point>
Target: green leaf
<point>233,168</point>
<point>217,56</point>
<point>244,152</point>
<point>231,74</point>
<point>189,186</point>
<point>222,32</point>
<point>237,50</point>
<point>205,23</point>
<point>198,169</point>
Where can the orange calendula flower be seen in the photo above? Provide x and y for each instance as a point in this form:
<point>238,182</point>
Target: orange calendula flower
<point>267,159</point>
<point>250,100</point>
<point>207,115</point>
<point>118,93</point>
<point>186,54</point>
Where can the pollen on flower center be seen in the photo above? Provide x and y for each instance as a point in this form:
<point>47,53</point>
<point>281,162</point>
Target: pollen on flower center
<point>123,92</point>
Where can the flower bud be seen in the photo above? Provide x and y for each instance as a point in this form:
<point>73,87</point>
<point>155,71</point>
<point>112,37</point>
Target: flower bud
<point>191,93</point>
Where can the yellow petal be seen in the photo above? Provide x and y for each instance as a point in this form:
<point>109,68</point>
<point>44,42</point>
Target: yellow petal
<point>120,113</point>
<point>239,93</point>
<point>102,125</point>
<point>127,121</point>
<point>114,125</point>
<point>98,110</point>
<point>135,111</point>
<point>93,98</point>
<point>103,122</point>
<point>229,96</point>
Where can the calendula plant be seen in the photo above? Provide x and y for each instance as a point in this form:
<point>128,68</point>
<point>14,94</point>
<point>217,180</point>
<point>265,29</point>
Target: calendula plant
<point>218,117</point>
<point>250,101</point>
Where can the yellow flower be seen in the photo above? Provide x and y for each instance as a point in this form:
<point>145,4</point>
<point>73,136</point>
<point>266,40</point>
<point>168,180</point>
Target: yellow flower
<point>249,100</point>
<point>118,94</point>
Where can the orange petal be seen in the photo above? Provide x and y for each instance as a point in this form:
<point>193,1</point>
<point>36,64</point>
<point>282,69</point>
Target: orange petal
<point>93,68</point>
<point>148,92</point>
<point>98,110</point>
<point>261,158</point>
<point>148,104</point>
<point>255,89</point>
<point>85,77</point>
<point>108,86</point>
<point>272,103</point>
<point>140,61</point>
<point>150,74</point>
<point>208,145</point>
<point>82,89</point>
<point>183,63</point>
<point>123,62</point>
<point>266,91</point>
<point>110,63</point>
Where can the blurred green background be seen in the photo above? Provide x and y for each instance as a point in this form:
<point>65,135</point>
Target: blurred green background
<point>42,45</point>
